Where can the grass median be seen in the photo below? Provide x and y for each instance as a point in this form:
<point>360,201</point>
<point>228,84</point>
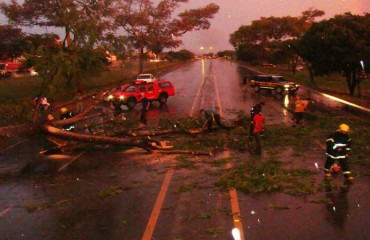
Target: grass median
<point>17,93</point>
<point>333,84</point>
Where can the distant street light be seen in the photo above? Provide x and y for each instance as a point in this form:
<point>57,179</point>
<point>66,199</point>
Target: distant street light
<point>201,50</point>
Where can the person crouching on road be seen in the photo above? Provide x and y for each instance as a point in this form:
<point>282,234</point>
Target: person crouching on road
<point>258,130</point>
<point>210,117</point>
<point>338,145</point>
<point>65,114</point>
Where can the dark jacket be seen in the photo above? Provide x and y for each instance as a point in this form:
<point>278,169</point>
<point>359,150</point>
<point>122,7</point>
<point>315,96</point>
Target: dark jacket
<point>338,145</point>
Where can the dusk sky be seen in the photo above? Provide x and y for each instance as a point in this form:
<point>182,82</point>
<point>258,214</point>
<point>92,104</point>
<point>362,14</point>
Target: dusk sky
<point>234,13</point>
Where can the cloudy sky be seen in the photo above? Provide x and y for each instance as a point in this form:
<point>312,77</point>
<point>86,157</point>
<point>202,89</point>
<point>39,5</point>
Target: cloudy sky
<point>234,13</point>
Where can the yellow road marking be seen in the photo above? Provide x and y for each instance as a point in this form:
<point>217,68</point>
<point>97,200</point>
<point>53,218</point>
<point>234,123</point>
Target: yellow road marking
<point>235,206</point>
<point>233,193</point>
<point>218,97</point>
<point>191,114</point>
<point>157,207</point>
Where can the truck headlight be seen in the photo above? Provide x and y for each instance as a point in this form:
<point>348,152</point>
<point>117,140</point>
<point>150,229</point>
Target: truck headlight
<point>110,97</point>
<point>121,97</point>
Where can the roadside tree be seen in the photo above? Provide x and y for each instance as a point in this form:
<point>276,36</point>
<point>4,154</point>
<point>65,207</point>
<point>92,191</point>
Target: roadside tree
<point>226,54</point>
<point>152,27</point>
<point>182,55</point>
<point>267,38</point>
<point>340,44</point>
<point>72,58</point>
<point>11,42</point>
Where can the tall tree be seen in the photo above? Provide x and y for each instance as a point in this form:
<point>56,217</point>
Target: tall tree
<point>74,57</point>
<point>11,42</point>
<point>340,44</point>
<point>271,34</point>
<point>152,27</point>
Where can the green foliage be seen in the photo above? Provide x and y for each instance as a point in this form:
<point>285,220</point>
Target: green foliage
<point>31,207</point>
<point>226,54</point>
<point>186,187</point>
<point>182,55</point>
<point>265,40</point>
<point>220,162</point>
<point>110,192</point>
<point>12,42</point>
<point>15,113</point>
<point>249,53</point>
<point>331,45</point>
<point>339,45</point>
<point>184,162</point>
<point>269,176</point>
<point>159,29</point>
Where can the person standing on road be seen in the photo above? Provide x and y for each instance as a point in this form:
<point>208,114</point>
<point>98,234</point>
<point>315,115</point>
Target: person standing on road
<point>210,117</point>
<point>338,145</point>
<point>145,104</point>
<point>258,130</point>
<point>299,110</point>
<point>255,109</point>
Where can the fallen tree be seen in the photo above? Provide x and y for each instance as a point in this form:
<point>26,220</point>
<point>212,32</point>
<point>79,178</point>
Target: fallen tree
<point>124,132</point>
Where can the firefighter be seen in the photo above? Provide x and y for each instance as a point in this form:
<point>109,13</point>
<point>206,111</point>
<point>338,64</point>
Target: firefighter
<point>65,114</point>
<point>338,145</point>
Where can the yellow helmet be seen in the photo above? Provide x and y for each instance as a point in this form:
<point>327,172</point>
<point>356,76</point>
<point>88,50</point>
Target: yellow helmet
<point>63,110</point>
<point>344,127</point>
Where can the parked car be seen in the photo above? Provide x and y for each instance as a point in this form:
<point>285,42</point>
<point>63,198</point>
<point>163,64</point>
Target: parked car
<point>273,82</point>
<point>131,94</point>
<point>8,69</point>
<point>147,77</point>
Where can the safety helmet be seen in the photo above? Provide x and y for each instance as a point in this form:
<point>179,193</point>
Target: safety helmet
<point>63,110</point>
<point>344,127</point>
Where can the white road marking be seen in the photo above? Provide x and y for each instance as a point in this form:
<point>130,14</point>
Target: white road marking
<point>5,211</point>
<point>68,163</point>
<point>196,99</point>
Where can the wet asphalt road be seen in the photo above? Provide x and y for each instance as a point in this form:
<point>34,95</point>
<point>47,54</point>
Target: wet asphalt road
<point>133,195</point>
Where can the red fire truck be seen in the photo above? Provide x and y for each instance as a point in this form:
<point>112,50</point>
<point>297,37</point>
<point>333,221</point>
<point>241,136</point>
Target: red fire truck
<point>8,68</point>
